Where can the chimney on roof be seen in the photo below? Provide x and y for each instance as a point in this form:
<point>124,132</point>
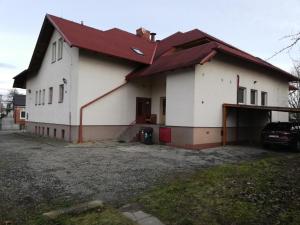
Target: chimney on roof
<point>143,33</point>
<point>81,22</point>
<point>152,36</point>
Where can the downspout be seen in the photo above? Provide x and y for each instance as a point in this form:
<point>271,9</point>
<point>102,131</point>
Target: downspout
<point>80,132</point>
<point>237,110</point>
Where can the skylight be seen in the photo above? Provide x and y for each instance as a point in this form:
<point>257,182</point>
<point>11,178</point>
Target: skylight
<point>137,51</point>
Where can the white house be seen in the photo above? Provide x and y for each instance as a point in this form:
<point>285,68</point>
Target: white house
<point>193,89</point>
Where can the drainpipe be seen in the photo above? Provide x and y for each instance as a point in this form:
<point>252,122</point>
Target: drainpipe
<point>237,88</point>
<point>237,110</point>
<point>80,132</point>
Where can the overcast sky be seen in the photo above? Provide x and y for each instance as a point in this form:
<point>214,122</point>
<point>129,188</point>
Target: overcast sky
<point>255,26</point>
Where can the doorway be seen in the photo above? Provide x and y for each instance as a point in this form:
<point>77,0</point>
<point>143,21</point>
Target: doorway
<point>162,113</point>
<point>143,109</point>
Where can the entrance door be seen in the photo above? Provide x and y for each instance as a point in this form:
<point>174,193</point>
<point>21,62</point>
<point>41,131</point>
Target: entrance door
<point>162,110</point>
<point>143,109</point>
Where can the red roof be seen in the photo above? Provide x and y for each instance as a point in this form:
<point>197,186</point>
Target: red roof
<point>169,56</point>
<point>177,51</point>
<point>114,42</point>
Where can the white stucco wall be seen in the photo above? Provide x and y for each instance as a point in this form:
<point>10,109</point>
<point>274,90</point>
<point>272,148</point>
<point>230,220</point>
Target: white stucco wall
<point>216,83</point>
<point>100,74</point>
<point>180,98</point>
<point>51,75</point>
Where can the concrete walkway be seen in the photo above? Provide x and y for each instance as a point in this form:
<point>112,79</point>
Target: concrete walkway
<point>142,218</point>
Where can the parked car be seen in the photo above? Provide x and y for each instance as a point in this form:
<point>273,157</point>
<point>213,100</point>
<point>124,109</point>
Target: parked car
<point>282,133</point>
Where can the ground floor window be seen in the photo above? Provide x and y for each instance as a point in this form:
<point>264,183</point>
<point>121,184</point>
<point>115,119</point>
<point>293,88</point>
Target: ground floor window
<point>63,134</point>
<point>48,131</point>
<point>54,132</point>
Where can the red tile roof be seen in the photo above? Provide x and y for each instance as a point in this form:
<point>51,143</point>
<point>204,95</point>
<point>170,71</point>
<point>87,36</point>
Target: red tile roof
<point>114,42</point>
<point>177,51</point>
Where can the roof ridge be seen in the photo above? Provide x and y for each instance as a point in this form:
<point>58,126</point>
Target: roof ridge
<point>76,23</point>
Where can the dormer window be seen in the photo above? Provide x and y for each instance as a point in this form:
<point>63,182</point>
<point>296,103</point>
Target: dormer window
<point>137,51</point>
<point>54,52</point>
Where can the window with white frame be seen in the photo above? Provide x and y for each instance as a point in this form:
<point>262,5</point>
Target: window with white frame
<point>36,97</point>
<point>253,97</point>
<point>60,48</point>
<point>54,51</point>
<point>43,97</point>
<point>264,98</point>
<point>22,114</point>
<point>241,95</point>
<point>40,96</point>
<point>50,96</point>
<point>61,93</point>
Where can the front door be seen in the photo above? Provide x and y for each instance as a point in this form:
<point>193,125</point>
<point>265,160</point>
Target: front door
<point>143,109</point>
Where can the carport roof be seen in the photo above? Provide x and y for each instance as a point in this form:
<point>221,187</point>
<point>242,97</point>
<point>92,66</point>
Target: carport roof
<point>258,107</point>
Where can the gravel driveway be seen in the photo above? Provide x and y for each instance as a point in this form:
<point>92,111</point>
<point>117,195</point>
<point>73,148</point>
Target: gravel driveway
<point>36,171</point>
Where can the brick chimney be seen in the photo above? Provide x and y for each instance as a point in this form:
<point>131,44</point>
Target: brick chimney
<point>143,33</point>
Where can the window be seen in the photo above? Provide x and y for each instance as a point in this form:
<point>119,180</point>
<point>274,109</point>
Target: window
<point>35,130</point>
<point>60,48</point>
<point>253,97</point>
<point>22,115</point>
<point>36,97</point>
<point>50,97</point>
<point>54,132</point>
<point>264,98</point>
<point>43,99</point>
<point>137,51</point>
<point>43,131</point>
<point>61,93</point>
<point>241,95</point>
<point>40,95</point>
<point>53,52</point>
<point>48,131</point>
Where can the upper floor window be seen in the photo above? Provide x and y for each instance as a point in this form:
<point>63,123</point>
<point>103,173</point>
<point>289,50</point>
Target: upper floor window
<point>50,97</point>
<point>253,97</point>
<point>36,97</point>
<point>54,51</point>
<point>43,96</point>
<point>241,95</point>
<point>60,48</point>
<point>40,96</point>
<point>61,93</point>
<point>264,98</point>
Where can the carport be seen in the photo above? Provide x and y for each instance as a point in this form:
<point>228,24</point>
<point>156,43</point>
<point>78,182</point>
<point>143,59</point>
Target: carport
<point>239,107</point>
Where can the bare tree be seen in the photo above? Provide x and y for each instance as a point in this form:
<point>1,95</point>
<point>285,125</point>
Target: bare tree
<point>294,95</point>
<point>294,39</point>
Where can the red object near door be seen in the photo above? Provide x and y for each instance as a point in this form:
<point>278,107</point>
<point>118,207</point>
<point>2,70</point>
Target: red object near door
<point>165,134</point>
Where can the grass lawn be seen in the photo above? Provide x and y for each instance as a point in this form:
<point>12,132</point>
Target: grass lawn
<point>260,192</point>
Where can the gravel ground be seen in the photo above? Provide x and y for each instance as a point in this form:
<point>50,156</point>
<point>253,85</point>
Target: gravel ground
<point>35,171</point>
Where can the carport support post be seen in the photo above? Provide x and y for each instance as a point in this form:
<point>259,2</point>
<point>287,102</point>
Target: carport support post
<point>224,138</point>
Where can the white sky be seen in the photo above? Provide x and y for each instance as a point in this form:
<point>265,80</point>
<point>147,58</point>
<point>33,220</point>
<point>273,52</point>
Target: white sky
<point>255,26</point>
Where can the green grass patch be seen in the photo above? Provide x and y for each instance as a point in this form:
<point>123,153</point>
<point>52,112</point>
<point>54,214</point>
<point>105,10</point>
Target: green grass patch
<point>262,192</point>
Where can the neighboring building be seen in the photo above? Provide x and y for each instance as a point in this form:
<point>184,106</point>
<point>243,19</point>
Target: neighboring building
<point>87,84</point>
<point>19,102</point>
